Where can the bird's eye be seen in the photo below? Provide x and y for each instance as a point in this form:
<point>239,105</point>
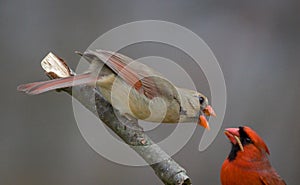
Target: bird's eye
<point>248,140</point>
<point>201,100</point>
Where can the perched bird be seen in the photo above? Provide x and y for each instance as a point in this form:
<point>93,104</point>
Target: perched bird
<point>134,89</point>
<point>248,163</point>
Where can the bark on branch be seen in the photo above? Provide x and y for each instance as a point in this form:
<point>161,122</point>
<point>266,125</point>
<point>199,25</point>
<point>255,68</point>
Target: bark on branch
<point>167,169</point>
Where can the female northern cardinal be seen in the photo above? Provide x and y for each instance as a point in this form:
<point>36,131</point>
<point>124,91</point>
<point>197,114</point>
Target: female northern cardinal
<point>248,163</point>
<point>134,89</point>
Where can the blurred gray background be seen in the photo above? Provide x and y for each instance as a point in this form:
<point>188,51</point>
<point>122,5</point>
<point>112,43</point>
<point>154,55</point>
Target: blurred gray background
<point>255,42</point>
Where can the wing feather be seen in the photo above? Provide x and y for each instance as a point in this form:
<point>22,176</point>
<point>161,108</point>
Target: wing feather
<point>272,178</point>
<point>136,74</point>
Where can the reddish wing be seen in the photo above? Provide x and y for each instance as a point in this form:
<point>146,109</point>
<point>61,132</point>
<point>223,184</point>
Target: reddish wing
<point>135,74</point>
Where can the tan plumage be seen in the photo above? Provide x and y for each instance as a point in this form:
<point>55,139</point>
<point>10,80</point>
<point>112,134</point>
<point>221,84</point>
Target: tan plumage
<point>135,89</point>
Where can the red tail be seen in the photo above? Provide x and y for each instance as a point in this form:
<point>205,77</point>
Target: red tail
<point>41,87</point>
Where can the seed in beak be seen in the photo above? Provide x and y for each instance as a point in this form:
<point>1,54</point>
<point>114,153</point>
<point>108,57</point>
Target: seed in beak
<point>239,143</point>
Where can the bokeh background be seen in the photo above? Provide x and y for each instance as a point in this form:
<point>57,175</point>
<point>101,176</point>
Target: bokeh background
<point>255,42</point>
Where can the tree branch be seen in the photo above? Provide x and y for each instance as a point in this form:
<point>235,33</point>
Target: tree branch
<point>167,169</point>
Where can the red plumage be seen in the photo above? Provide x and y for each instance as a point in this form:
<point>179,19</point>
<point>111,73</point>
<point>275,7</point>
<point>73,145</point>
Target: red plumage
<point>248,163</point>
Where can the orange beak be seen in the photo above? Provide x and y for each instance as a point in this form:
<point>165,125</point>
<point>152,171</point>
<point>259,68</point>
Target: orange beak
<point>231,133</point>
<point>234,137</point>
<point>208,111</point>
<point>203,122</point>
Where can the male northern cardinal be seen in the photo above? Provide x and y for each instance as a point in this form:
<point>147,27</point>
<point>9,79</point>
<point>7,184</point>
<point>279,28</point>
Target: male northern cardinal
<point>134,89</point>
<point>248,163</point>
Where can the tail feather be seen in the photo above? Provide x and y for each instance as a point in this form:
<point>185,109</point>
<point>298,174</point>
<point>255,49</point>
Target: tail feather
<point>41,87</point>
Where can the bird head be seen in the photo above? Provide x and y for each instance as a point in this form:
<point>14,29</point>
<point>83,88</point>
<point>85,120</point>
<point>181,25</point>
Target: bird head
<point>205,111</point>
<point>245,139</point>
